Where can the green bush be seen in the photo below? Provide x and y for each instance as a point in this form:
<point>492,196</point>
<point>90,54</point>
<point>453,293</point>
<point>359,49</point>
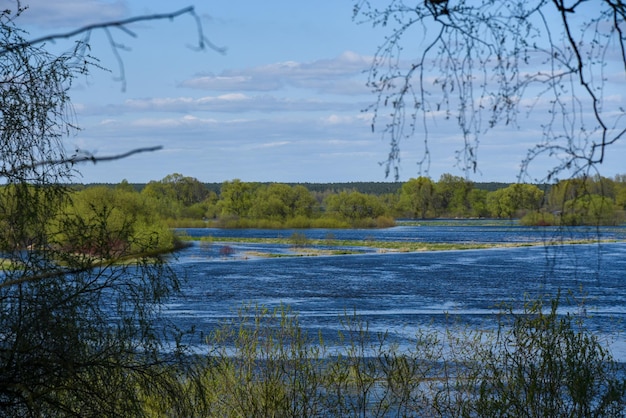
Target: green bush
<point>533,364</point>
<point>299,240</point>
<point>539,218</point>
<point>299,222</point>
<point>541,364</point>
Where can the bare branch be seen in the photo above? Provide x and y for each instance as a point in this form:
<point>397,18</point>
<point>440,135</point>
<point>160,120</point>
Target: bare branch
<point>94,159</point>
<point>479,63</point>
<point>76,159</point>
<point>115,23</point>
<point>122,25</point>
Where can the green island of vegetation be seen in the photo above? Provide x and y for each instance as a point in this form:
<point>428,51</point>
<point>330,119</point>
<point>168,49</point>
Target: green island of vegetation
<point>299,245</point>
<point>115,223</point>
<point>101,223</point>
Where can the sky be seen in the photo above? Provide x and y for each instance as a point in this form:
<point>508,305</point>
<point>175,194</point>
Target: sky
<point>284,103</point>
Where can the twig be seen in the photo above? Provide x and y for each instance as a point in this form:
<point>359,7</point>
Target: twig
<point>115,23</point>
<point>79,159</point>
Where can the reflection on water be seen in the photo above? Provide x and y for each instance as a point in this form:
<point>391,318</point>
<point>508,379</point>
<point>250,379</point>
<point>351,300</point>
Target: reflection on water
<point>398,292</point>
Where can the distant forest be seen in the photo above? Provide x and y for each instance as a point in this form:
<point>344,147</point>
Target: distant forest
<point>367,187</point>
<point>185,201</point>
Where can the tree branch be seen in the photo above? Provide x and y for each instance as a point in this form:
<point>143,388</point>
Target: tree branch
<point>106,263</point>
<point>94,159</point>
<point>115,23</point>
<point>76,159</point>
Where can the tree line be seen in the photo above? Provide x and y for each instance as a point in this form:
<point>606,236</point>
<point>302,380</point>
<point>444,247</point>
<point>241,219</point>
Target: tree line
<point>182,200</point>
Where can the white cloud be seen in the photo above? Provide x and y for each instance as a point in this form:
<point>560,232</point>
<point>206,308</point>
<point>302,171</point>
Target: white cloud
<point>271,144</point>
<point>336,75</point>
<point>185,121</point>
<point>71,13</point>
<point>227,103</point>
<point>337,120</point>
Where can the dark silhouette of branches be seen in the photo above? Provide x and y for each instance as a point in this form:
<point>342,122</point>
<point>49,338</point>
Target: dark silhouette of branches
<point>484,64</point>
<point>202,43</point>
<point>120,24</point>
<point>80,289</point>
<point>80,157</point>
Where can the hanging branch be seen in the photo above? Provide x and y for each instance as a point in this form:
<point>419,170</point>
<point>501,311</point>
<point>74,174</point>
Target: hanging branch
<point>483,64</point>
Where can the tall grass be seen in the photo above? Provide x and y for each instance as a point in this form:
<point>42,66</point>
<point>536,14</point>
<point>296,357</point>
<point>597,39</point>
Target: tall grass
<point>533,364</point>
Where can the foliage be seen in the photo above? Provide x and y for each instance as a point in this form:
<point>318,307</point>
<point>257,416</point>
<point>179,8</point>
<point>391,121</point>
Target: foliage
<point>299,240</point>
<point>180,196</point>
<point>281,202</point>
<point>536,363</point>
<point>354,206</point>
<point>589,210</point>
<point>278,205</point>
<point>506,203</point>
<point>417,198</point>
<point>82,278</point>
<point>236,198</point>
<point>587,201</point>
<point>453,195</point>
<point>548,365</point>
<point>109,223</point>
<point>539,218</point>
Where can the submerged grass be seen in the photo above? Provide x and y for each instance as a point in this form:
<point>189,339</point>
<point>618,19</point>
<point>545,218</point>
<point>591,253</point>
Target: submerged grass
<point>312,246</point>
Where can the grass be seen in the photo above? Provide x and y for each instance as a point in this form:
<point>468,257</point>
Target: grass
<point>346,247</point>
<point>262,362</point>
<point>460,222</point>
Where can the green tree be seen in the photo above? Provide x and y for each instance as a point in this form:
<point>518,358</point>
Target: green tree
<point>500,204</point>
<point>620,197</point>
<point>417,198</point>
<point>602,186</point>
<point>513,200</point>
<point>280,202</point>
<point>548,366</point>
<point>590,210</point>
<point>125,186</point>
<point>354,206</point>
<point>212,206</point>
<point>79,331</point>
<point>167,203</point>
<point>564,191</point>
<point>271,202</point>
<point>303,203</point>
<point>106,222</point>
<point>478,203</point>
<point>188,190</point>
<point>453,195</point>
<point>180,197</point>
<point>236,198</point>
<point>587,201</point>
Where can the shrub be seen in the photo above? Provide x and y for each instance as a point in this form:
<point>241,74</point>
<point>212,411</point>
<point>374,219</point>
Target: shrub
<point>299,222</point>
<point>299,240</point>
<point>539,219</point>
<point>533,364</point>
<point>385,222</point>
<point>549,366</point>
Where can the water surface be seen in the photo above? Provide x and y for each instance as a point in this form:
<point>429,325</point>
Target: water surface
<point>400,292</point>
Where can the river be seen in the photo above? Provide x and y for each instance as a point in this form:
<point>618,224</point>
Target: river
<point>400,292</point>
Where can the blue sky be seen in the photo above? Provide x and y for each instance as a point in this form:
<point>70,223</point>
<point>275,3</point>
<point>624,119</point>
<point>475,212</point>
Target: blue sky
<point>285,103</point>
